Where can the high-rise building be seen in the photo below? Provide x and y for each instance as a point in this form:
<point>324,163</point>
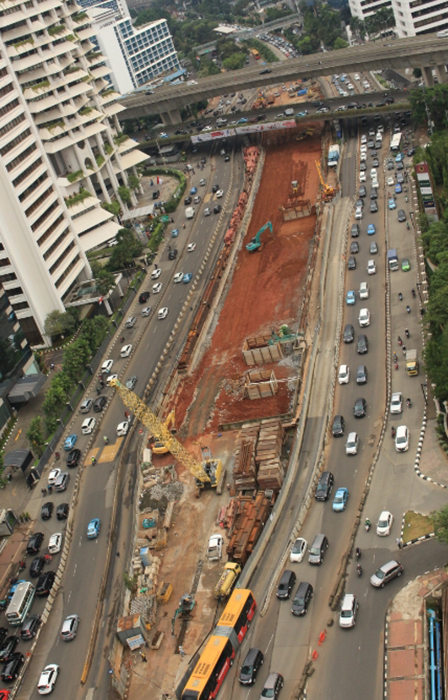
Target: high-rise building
<point>365,8</point>
<point>417,17</point>
<point>61,155</point>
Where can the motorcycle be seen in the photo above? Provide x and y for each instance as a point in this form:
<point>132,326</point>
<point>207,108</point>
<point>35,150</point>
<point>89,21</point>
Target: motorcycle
<point>407,334</point>
<point>408,309</point>
<point>367,525</point>
<point>393,432</point>
<point>358,553</point>
<point>409,403</point>
<point>359,570</point>
<point>400,296</point>
<point>413,293</point>
<point>400,342</point>
<point>407,225</point>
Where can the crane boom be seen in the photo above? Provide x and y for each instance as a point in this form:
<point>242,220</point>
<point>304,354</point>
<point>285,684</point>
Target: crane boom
<point>160,431</point>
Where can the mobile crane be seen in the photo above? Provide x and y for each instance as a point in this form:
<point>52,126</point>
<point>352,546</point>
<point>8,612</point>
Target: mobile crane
<point>328,192</point>
<point>207,475</point>
<point>159,447</point>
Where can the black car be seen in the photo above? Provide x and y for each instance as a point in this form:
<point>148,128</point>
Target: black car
<point>351,263</point>
<point>362,191</point>
<point>3,634</point>
<point>187,201</point>
<point>360,408</point>
<point>34,543</point>
<point>286,584</point>
<point>400,165</point>
<point>172,255</point>
<point>74,456</point>
<point>362,166</point>
<point>12,667</point>
<point>45,583</point>
<point>265,71</point>
<point>375,163</point>
<point>251,665</point>
<point>373,207</point>
<point>30,627</point>
<point>361,375</point>
<point>411,151</point>
<point>324,486</point>
<point>302,598</point>
<point>215,188</point>
<point>47,510</point>
<point>62,511</point>
<point>98,406</point>
<point>363,344</point>
<point>401,216</point>
<point>371,144</point>
<point>37,566</point>
<point>354,247</point>
<point>390,165</point>
<point>156,194</point>
<point>349,333</point>
<point>355,230</point>
<point>378,145</point>
<point>217,209</point>
<point>143,298</point>
<point>8,646</point>
<point>338,426</point>
<point>261,117</point>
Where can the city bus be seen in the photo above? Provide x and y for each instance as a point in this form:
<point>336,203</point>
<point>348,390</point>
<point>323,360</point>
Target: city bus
<point>395,142</point>
<point>255,53</point>
<point>20,603</point>
<point>211,669</point>
<point>238,614</point>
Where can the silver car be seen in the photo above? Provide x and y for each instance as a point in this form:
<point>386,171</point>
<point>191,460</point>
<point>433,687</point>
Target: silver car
<point>70,628</point>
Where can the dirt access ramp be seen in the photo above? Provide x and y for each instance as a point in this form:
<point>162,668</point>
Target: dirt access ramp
<point>267,290</point>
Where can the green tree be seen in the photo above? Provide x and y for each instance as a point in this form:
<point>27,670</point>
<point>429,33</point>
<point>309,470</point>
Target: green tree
<point>76,357</point>
<point>59,323</point>
<point>54,402</point>
<point>440,521</point>
<point>113,207</point>
<point>134,182</point>
<point>125,194</point>
<point>127,249</point>
<point>35,436</point>
<point>340,43</point>
<point>94,330</point>
<point>235,61</point>
<point>105,281</point>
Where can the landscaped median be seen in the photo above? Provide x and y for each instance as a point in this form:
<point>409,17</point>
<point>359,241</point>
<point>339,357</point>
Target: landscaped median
<point>169,206</point>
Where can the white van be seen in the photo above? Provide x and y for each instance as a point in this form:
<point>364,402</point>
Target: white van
<point>289,112</point>
<point>189,212</point>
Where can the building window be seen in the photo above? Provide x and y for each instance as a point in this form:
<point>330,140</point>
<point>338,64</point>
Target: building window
<point>50,230</point>
<point>56,244</point>
<point>67,271</point>
<point>45,215</point>
<point>26,193</point>
<point>38,202</point>
<point>26,173</point>
<point>15,142</point>
<point>61,258</point>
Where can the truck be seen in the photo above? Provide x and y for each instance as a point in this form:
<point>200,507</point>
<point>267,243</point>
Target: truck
<point>189,212</point>
<point>392,259</point>
<point>412,362</point>
<point>333,155</point>
<point>227,580</point>
<point>301,93</point>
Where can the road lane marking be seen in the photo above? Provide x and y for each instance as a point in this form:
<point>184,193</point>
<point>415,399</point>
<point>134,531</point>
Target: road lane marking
<point>270,641</point>
<point>74,570</point>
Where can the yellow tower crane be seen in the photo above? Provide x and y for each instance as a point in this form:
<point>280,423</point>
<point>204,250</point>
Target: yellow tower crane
<point>328,192</point>
<point>207,474</point>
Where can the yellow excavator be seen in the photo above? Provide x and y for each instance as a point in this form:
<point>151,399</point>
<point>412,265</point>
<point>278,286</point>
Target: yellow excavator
<point>328,192</point>
<point>208,474</point>
<point>159,447</point>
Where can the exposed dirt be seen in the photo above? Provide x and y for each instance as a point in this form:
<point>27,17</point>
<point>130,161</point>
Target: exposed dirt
<point>266,292</point>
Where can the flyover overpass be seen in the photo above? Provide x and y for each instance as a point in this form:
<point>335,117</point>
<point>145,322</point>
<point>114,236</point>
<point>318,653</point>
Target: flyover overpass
<point>426,52</point>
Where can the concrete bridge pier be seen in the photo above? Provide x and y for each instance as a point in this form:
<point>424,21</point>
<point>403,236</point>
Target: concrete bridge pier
<point>171,117</point>
<point>428,76</point>
<point>441,74</point>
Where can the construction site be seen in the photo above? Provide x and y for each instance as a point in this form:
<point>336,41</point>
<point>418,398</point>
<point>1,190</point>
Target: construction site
<point>217,463</point>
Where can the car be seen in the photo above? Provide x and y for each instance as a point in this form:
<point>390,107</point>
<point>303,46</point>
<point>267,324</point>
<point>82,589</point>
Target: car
<point>349,608</point>
<point>338,426</point>
<point>29,627</point>
<point>354,247</point>
<point>384,524</point>
<point>10,670</point>
<point>362,167</point>
<point>302,599</point>
<point>175,233</point>
<point>373,207</point>
<point>351,263</point>
<point>265,71</point>
<point>197,199</point>
<point>398,188</point>
<point>405,265</point>
<point>400,165</point>
<point>361,374</point>
<point>396,402</point>
<point>86,405</point>
<point>358,213</point>
<point>340,499</point>
<point>207,211</point>
<point>163,313</point>
<point>285,585</point>
<point>187,278</point>
<point>243,120</point>
<point>48,679</point>
<point>399,157</point>
<point>55,543</point>
<point>298,550</point>
<point>402,438</point>
<point>62,511</point>
<point>45,583</point>
<point>126,350</point>
<point>362,177</point>
<point>360,408</point>
<point>8,646</point>
<point>364,291</point>
<point>390,181</point>
<point>53,475</point>
<point>364,317</point>
<point>374,185</point>
<point>386,573</point>
<point>172,255</point>
<point>163,135</point>
<point>344,374</point>
<point>251,665</point>
<point>156,289</point>
<point>272,686</point>
<point>193,190</point>
<point>400,178</point>
<point>324,485</point>
<point>62,481</point>
<point>47,510</point>
<point>74,456</point>
<point>132,320</point>
<point>371,230</point>
<point>390,164</point>
<point>227,157</point>
<point>187,201</point>
<point>350,298</point>
<point>144,296</point>
<point>36,566</point>
<point>34,543</point>
<point>219,193</point>
<point>146,311</point>
<point>217,209</point>
<point>375,162</point>
<point>355,231</point>
<point>70,628</point>
<point>373,248</point>
<point>371,267</point>
<point>155,274</point>
<point>349,333</point>
<point>93,529</point>
<point>215,188</point>
<point>70,442</point>
<point>391,203</point>
<point>411,152</point>
<point>131,382</point>
<point>178,277</point>
<point>111,378</point>
<point>215,546</point>
<point>89,424</point>
<point>122,428</point>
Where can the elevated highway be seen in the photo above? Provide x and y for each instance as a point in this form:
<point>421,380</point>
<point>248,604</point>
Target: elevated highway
<point>426,52</point>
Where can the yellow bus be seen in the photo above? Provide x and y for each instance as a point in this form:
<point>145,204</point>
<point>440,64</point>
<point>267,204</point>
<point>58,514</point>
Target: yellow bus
<point>238,614</point>
<point>211,669</point>
<point>255,53</point>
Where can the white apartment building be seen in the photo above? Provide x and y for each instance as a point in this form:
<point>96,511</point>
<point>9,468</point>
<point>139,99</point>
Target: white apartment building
<point>365,8</point>
<point>61,154</point>
<point>420,16</point>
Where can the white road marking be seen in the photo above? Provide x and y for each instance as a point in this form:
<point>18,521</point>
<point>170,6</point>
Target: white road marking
<point>74,570</point>
<point>272,637</point>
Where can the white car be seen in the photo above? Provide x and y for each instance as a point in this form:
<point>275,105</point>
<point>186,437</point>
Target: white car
<point>88,426</point>
<point>156,287</point>
<point>191,247</point>
<point>219,194</point>
<point>298,550</point>
<point>363,148</point>
<point>349,608</point>
<point>163,313</point>
<point>352,444</point>
<point>358,213</point>
<point>52,477</point>
<point>206,128</point>
<point>402,439</point>
<point>214,549</point>
<point>384,524</point>
<point>126,350</point>
<point>362,177</point>
<point>48,679</point>
<point>379,136</point>
<point>364,138</point>
<point>390,182</point>
<point>110,379</point>
<point>146,311</point>
<point>396,402</point>
<point>122,428</point>
<point>364,290</point>
<point>375,184</point>
<point>364,318</point>
<point>192,82</point>
<point>202,182</point>
<point>374,174</point>
<point>178,277</point>
<point>371,267</point>
<point>107,366</point>
<point>55,543</point>
<point>155,274</point>
<point>362,156</point>
<point>207,211</point>
<point>344,374</point>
